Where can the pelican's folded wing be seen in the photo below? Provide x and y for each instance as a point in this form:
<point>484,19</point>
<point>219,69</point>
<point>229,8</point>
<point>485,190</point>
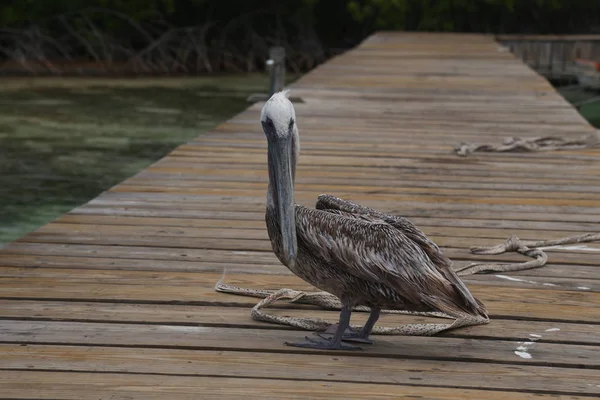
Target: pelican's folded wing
<point>329,202</point>
<point>371,249</point>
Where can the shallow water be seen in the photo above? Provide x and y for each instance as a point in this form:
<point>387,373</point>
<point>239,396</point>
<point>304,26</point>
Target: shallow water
<point>575,95</point>
<point>63,142</point>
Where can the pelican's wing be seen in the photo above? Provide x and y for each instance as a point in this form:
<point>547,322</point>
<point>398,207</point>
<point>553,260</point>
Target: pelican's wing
<point>443,263</point>
<point>371,249</point>
<point>328,202</point>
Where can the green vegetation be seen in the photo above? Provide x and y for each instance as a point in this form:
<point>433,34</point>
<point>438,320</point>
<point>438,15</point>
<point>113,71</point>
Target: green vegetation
<point>192,36</point>
<point>63,142</point>
<point>493,16</point>
<point>333,16</point>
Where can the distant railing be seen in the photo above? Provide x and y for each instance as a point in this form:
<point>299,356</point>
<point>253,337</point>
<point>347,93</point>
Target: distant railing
<point>551,55</point>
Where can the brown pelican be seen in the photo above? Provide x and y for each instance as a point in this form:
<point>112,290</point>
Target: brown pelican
<point>360,255</point>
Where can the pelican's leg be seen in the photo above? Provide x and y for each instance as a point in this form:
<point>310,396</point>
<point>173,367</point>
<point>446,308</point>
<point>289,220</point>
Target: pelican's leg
<point>365,332</point>
<point>363,335</point>
<point>334,343</point>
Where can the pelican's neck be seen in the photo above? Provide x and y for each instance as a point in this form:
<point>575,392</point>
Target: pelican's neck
<point>272,198</point>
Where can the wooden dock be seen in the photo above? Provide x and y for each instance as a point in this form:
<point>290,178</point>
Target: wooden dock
<point>116,299</point>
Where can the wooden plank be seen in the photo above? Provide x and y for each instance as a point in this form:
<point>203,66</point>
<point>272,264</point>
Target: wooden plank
<point>89,252</point>
<point>389,206</point>
<point>440,161</point>
<point>270,340</point>
<point>516,299</point>
<point>73,385</point>
<point>246,244</point>
<point>418,221</point>
<point>592,202</point>
<point>381,188</point>
<point>259,232</point>
<point>407,180</point>
<point>253,262</point>
<point>421,221</point>
<point>186,315</point>
<point>245,129</point>
<point>234,216</point>
<point>303,367</point>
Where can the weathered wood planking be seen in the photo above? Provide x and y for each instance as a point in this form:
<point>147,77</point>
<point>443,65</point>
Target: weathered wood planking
<point>116,298</point>
<point>79,385</point>
<point>305,367</point>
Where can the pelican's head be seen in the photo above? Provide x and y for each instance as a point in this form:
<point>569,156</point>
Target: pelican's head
<point>278,120</point>
<point>278,116</point>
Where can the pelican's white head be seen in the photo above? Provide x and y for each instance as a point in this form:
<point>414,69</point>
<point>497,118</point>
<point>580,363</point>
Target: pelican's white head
<point>278,116</point>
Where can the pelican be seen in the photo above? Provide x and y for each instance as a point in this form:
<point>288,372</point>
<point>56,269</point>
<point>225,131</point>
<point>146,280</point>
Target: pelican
<point>362,256</point>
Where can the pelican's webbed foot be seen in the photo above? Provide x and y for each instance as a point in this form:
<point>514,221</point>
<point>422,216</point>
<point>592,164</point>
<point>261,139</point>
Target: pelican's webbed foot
<point>334,343</point>
<point>323,344</point>
<point>348,336</point>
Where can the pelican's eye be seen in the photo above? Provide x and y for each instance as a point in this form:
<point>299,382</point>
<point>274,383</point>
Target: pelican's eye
<point>291,123</point>
<point>268,126</point>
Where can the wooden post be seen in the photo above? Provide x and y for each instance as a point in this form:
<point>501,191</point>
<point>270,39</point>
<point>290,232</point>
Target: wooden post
<point>276,68</point>
<point>276,63</point>
<point>551,48</point>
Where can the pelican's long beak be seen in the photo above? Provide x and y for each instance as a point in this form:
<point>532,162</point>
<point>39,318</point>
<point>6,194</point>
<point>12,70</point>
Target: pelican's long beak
<point>280,160</point>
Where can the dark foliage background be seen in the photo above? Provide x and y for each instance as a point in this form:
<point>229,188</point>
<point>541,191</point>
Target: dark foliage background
<point>195,36</point>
